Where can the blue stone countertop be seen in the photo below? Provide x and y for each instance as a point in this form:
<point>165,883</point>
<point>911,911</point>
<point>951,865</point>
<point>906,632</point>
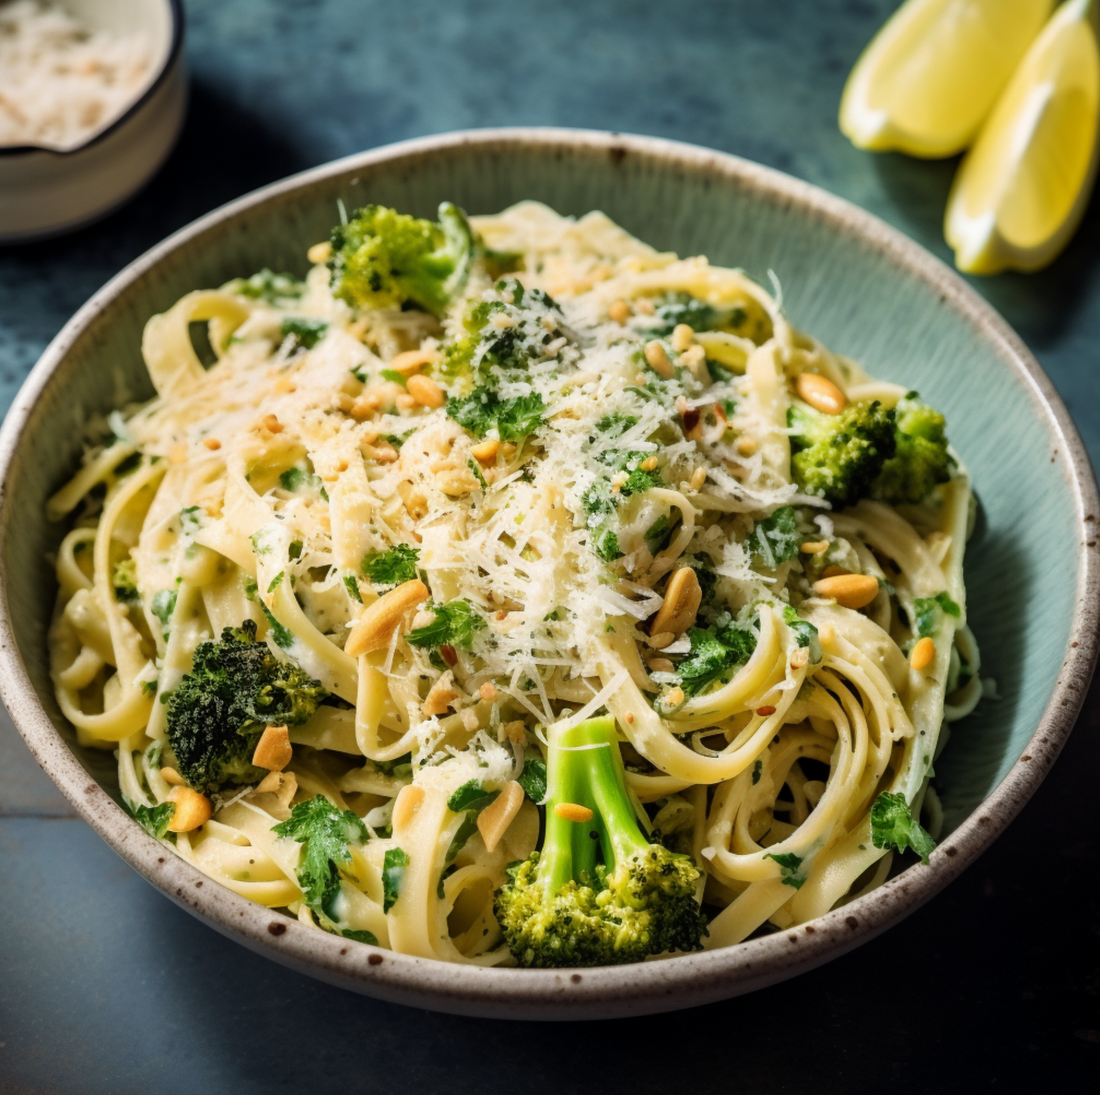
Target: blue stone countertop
<point>107,987</point>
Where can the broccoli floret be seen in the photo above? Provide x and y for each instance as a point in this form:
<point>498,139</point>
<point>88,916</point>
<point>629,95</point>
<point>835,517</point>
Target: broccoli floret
<point>216,715</point>
<point>385,259</point>
<point>598,893</point>
<point>839,456</point>
<point>920,461</point>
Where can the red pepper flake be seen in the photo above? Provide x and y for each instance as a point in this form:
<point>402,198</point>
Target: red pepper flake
<point>690,419</point>
<point>450,655</point>
<point>766,710</point>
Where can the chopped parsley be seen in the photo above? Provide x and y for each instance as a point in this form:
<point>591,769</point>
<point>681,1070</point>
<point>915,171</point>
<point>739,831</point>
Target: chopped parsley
<point>393,875</point>
<point>604,542</point>
<point>776,539</point>
<point>533,778</point>
<point>713,655</point>
<point>483,410</point>
<point>326,834</point>
<point>927,610</point>
<point>789,867</point>
<point>268,286</point>
<point>470,796</point>
<point>455,624</point>
<point>804,631</point>
<point>393,567</point>
<point>351,583</point>
<point>153,819</point>
<point>305,331</point>
<point>893,826</point>
<point>360,935</point>
<point>125,580</point>
<point>283,636</point>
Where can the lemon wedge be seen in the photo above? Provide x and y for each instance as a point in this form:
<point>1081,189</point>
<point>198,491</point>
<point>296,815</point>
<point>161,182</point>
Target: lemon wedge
<point>931,75</point>
<point>1022,189</point>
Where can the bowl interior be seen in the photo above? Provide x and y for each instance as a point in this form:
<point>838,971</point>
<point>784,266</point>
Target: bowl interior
<point>846,279</point>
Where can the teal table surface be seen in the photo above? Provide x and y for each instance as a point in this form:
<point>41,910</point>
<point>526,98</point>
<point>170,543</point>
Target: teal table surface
<point>107,987</point>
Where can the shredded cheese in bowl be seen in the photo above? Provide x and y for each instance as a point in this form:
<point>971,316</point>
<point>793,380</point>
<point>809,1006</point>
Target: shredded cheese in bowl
<point>60,81</point>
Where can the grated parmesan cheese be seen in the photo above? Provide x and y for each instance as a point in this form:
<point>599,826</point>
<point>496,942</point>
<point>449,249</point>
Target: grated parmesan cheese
<point>59,81</point>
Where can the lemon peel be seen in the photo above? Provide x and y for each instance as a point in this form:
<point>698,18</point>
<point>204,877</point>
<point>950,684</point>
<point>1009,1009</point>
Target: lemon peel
<point>1022,189</point>
<point>931,75</point>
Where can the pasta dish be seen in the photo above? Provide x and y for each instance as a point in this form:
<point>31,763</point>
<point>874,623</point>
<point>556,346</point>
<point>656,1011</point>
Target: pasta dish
<point>509,592</point>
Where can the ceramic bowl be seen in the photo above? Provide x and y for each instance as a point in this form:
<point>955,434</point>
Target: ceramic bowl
<point>860,286</point>
<point>48,191</point>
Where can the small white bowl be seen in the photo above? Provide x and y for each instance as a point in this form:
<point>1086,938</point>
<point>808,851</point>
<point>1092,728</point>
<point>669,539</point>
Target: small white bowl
<point>45,192</point>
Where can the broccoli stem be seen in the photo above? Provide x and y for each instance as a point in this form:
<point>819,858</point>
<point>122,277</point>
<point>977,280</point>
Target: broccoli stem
<point>584,766</point>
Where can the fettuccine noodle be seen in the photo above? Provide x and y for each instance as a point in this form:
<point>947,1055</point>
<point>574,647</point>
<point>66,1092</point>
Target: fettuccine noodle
<point>259,486</point>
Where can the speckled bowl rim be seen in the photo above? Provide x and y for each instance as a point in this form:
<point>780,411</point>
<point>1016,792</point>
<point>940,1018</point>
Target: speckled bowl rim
<point>625,990</point>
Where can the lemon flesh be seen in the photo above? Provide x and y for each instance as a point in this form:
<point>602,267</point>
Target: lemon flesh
<point>932,74</point>
<point>1022,190</point>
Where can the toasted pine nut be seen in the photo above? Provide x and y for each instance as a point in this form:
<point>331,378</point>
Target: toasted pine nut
<point>404,401</point>
<point>410,361</point>
<point>820,392</point>
<point>920,657</point>
<point>682,598</point>
<point>273,750</point>
<point>644,306</point>
<point>441,696</point>
<point>271,423</point>
<point>698,478</point>
<point>765,711</point>
<point>800,657</point>
<point>747,444</point>
<point>494,820</point>
<point>192,810</point>
<point>485,452</point>
<point>660,665</point>
<point>675,696</point>
<point>573,811</point>
<point>383,454</point>
<point>319,252</point>
<point>170,775</point>
<point>694,359</point>
<point>212,443</point>
<point>488,692</point>
<point>374,629</point>
<point>270,783</point>
<point>619,311</point>
<point>649,463</point>
<point>368,404</point>
<point>657,359</point>
<point>683,336</point>
<point>425,391</point>
<point>409,800</point>
<point>848,590</point>
<point>415,502</point>
<point>814,547</point>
